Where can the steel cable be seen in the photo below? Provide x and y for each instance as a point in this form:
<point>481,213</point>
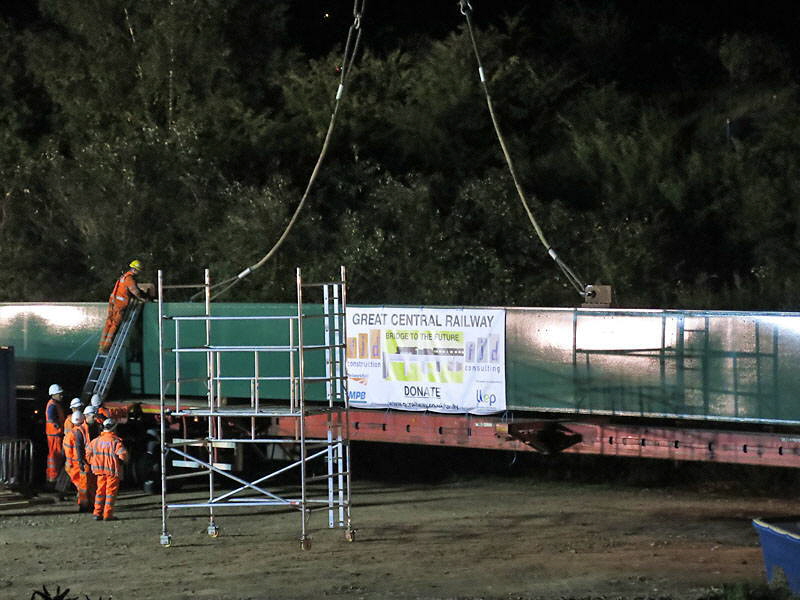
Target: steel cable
<point>575,281</point>
<point>348,57</point>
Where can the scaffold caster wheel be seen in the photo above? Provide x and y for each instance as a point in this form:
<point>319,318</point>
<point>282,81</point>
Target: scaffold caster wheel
<point>305,542</point>
<point>166,540</point>
<point>350,535</point>
<point>213,531</point>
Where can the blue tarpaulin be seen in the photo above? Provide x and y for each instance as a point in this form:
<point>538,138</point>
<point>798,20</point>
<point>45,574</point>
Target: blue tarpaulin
<point>780,544</point>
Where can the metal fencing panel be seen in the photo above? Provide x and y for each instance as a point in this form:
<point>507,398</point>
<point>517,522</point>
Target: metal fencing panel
<point>16,462</point>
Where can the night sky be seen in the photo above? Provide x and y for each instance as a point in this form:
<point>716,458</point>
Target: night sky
<point>318,26</point>
<point>388,23</point>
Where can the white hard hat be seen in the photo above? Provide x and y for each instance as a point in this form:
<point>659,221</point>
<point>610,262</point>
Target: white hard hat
<point>77,418</point>
<point>75,403</point>
<point>90,410</point>
<point>55,389</point>
<point>109,424</point>
<point>96,400</point>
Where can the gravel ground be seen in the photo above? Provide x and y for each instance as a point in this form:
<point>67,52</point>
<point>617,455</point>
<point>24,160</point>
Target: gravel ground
<point>474,537</point>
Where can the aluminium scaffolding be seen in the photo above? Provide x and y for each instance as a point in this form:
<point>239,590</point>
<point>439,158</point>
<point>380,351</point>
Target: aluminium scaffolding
<point>237,425</point>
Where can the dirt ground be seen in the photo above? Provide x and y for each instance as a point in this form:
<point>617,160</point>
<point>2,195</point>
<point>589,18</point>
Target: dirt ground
<point>476,537</point>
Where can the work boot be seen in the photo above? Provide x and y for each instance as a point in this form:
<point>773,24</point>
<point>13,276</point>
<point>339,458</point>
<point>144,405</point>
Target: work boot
<point>97,517</point>
<point>111,518</point>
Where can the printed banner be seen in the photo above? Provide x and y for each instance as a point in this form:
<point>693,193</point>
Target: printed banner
<point>437,359</point>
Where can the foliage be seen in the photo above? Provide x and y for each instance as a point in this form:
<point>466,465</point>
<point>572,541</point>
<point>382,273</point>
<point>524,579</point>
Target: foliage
<point>746,591</point>
<point>184,134</point>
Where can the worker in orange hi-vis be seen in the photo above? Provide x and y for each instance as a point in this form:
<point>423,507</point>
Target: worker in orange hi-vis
<point>106,454</point>
<point>93,424</point>
<point>102,412</point>
<point>76,406</point>
<point>91,429</point>
<point>75,452</point>
<point>54,428</point>
<point>124,290</point>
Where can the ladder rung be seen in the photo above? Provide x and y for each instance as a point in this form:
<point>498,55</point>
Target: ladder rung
<point>202,443</point>
<point>184,286</point>
<point>321,283</point>
<point>190,464</point>
<point>326,476</point>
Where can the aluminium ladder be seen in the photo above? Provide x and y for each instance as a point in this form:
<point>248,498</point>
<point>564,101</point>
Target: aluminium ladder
<point>101,374</point>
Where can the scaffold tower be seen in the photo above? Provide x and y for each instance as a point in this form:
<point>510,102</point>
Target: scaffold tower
<point>307,368</point>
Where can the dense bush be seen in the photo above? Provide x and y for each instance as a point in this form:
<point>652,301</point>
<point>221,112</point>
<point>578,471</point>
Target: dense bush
<point>185,136</point>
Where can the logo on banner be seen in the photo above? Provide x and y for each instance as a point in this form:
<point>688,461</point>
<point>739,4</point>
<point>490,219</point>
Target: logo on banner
<point>487,399</point>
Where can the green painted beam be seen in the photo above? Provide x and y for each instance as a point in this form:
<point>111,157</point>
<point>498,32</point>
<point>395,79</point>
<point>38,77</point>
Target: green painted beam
<point>726,366</point>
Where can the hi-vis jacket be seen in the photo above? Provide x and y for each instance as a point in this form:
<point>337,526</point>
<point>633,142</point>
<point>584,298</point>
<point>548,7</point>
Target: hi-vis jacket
<point>74,449</point>
<point>68,424</point>
<point>102,414</point>
<point>54,418</point>
<point>106,453</point>
<point>124,289</point>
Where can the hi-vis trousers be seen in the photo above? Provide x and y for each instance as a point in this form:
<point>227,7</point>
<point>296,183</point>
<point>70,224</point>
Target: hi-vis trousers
<point>106,494</point>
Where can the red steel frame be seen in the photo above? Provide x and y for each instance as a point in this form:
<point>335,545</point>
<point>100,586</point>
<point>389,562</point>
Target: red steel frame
<point>597,436</point>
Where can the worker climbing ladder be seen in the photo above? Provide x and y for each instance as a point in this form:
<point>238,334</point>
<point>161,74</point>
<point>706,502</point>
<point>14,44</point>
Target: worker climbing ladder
<point>101,374</point>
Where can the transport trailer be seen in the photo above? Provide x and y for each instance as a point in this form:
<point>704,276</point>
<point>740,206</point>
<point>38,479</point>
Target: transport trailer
<point>683,385</point>
<point>518,432</point>
<point>577,434</point>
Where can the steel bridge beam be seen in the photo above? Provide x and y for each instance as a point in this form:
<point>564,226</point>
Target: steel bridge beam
<point>590,436</point>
